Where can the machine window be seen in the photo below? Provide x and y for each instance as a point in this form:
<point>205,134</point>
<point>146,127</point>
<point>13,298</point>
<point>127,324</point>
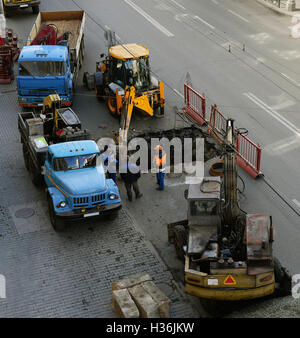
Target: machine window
<point>75,162</point>
<point>41,68</point>
<point>204,208</point>
<point>137,73</point>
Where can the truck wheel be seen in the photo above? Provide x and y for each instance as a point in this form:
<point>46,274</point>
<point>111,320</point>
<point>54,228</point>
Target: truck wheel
<point>35,9</point>
<point>282,278</point>
<point>111,105</point>
<point>6,11</point>
<point>180,239</point>
<point>89,80</point>
<point>58,225</point>
<point>26,156</point>
<point>36,177</point>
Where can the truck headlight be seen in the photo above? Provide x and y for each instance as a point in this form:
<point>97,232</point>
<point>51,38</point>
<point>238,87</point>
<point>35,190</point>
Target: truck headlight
<point>113,196</point>
<point>62,204</point>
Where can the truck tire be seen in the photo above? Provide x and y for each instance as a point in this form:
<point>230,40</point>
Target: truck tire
<point>36,177</point>
<point>180,239</point>
<point>88,80</point>
<point>99,85</point>
<point>26,156</point>
<point>36,9</point>
<point>7,12</point>
<point>58,225</point>
<point>282,278</point>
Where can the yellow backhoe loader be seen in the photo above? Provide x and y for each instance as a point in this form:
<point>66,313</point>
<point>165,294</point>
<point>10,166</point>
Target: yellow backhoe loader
<point>126,65</point>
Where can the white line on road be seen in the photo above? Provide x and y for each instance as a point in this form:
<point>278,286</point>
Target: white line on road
<point>273,113</point>
<point>296,202</point>
<point>289,78</point>
<point>205,22</point>
<point>215,2</point>
<point>149,18</point>
<point>176,91</point>
<point>239,16</point>
<point>179,5</point>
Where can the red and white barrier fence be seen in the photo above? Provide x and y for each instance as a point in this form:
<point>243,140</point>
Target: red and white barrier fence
<point>195,104</point>
<point>249,153</point>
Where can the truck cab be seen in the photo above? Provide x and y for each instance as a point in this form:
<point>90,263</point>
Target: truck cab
<point>10,5</point>
<point>77,187</point>
<point>44,70</point>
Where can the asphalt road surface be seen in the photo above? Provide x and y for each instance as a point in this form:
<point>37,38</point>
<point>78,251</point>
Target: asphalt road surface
<point>257,86</point>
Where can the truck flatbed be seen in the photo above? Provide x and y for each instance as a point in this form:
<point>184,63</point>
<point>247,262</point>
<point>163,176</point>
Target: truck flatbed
<point>64,22</point>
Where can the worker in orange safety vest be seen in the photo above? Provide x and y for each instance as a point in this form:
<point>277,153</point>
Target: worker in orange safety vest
<point>159,160</point>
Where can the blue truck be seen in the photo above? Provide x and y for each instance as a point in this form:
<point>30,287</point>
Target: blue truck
<point>76,183</point>
<point>49,63</point>
<point>59,153</point>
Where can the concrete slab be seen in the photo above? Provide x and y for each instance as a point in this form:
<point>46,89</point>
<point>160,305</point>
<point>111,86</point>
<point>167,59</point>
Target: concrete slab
<point>123,304</point>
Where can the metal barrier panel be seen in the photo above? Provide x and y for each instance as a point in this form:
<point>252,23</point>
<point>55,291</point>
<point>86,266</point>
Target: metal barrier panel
<point>195,104</point>
<point>249,155</point>
<point>217,123</point>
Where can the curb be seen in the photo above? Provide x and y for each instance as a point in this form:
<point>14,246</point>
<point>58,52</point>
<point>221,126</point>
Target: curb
<point>278,10</point>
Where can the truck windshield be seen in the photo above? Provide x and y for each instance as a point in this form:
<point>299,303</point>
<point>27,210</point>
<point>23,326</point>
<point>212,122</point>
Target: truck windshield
<point>41,68</point>
<point>75,162</point>
<point>204,208</point>
<point>137,73</point>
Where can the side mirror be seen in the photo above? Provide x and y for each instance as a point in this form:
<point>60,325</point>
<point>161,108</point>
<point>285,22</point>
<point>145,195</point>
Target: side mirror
<point>186,193</point>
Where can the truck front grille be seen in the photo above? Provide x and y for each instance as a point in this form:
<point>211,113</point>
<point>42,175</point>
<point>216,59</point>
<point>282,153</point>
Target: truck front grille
<point>98,199</point>
<point>88,201</point>
<point>81,202</point>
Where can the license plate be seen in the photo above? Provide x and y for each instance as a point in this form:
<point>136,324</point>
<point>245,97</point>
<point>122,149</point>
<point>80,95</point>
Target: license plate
<point>23,6</point>
<point>40,104</point>
<point>91,214</point>
<point>212,281</point>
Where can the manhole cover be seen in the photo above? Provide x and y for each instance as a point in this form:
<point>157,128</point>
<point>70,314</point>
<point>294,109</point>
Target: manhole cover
<point>24,213</point>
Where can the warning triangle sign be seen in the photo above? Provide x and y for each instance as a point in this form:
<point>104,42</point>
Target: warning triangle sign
<point>229,280</point>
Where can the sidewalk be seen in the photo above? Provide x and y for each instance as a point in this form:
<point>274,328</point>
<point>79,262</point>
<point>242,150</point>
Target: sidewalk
<point>273,4</point>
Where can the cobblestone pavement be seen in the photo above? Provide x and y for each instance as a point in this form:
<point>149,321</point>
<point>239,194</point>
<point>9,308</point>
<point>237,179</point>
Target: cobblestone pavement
<point>67,274</point>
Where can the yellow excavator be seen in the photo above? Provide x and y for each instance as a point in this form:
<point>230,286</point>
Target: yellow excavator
<point>227,253</point>
<point>126,65</point>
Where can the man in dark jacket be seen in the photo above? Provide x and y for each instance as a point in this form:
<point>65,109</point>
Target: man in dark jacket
<point>130,178</point>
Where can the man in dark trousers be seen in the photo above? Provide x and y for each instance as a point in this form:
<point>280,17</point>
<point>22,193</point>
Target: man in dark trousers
<point>160,160</point>
<point>130,178</point>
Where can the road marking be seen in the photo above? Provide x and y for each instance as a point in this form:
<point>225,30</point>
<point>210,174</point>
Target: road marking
<point>176,91</point>
<point>176,3</point>
<point>149,18</point>
<point>239,16</point>
<point>280,147</point>
<point>215,2</point>
<point>289,78</point>
<point>273,113</point>
<point>296,202</point>
<point>205,22</point>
